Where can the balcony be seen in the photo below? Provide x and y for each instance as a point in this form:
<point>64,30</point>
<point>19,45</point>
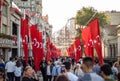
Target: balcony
<point>5,40</point>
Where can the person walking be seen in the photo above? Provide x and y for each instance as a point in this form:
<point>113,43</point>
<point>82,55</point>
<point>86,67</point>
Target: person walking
<point>71,76</point>
<point>56,70</point>
<point>2,64</point>
<point>43,66</point>
<point>87,68</point>
<point>105,72</point>
<point>18,71</point>
<point>9,67</point>
<point>78,70</point>
<point>96,67</point>
<point>49,70</point>
<point>2,74</point>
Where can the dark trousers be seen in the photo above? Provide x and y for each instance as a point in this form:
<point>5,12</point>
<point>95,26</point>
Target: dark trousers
<point>49,77</point>
<point>17,78</point>
<point>44,76</point>
<point>54,78</point>
<point>10,76</point>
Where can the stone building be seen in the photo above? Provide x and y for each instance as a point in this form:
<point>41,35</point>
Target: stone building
<point>10,26</point>
<point>110,38</point>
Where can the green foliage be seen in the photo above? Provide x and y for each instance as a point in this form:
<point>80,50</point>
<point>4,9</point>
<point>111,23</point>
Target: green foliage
<point>85,14</point>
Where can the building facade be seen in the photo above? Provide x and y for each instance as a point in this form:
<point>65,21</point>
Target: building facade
<point>5,29</point>
<point>110,38</point>
<point>10,26</point>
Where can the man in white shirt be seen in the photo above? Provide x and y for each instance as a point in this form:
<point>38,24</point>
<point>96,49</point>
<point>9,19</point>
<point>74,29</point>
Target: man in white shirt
<point>9,67</point>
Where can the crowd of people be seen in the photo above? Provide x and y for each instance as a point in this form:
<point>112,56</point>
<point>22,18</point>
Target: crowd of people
<point>59,69</point>
<point>85,70</point>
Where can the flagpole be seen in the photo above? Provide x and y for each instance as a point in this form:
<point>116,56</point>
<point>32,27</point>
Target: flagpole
<point>91,18</point>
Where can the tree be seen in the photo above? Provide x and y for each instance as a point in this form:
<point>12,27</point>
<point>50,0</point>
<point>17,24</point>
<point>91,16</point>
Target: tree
<point>86,14</point>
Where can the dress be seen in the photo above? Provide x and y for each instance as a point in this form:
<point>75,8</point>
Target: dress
<point>28,79</point>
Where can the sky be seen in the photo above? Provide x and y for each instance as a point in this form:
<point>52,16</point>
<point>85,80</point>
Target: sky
<point>59,11</point>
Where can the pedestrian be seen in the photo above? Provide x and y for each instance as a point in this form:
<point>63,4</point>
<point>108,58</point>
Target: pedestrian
<point>43,66</point>
<point>96,67</point>
<point>62,77</point>
<point>49,70</point>
<point>2,74</point>
<point>18,71</point>
<point>106,72</point>
<point>56,70</point>
<point>29,74</point>
<point>118,66</point>
<point>31,62</point>
<point>115,69</point>
<point>78,70</point>
<point>89,75</point>
<point>2,64</point>
<point>9,67</point>
<point>71,76</point>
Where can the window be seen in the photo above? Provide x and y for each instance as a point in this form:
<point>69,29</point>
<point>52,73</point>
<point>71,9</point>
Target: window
<point>4,29</point>
<point>14,29</point>
<point>4,10</point>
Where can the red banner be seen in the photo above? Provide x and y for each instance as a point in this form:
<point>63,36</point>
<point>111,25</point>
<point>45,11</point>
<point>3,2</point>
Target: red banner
<point>37,45</point>
<point>78,49</point>
<point>24,34</point>
<point>87,41</point>
<point>95,32</point>
<point>48,54</point>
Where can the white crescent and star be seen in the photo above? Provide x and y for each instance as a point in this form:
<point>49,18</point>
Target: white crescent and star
<point>79,48</point>
<point>36,43</point>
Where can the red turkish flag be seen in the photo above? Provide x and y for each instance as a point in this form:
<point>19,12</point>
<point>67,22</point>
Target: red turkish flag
<point>51,50</point>
<point>87,41</point>
<point>68,51</point>
<point>37,45</point>
<point>78,49</point>
<point>72,51</point>
<point>58,53</point>
<point>95,32</point>
<point>48,54</point>
<point>24,35</point>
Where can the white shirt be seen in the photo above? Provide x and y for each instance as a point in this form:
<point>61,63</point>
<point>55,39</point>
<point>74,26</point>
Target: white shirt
<point>10,66</point>
<point>18,71</point>
<point>72,77</point>
<point>79,72</point>
<point>48,70</point>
